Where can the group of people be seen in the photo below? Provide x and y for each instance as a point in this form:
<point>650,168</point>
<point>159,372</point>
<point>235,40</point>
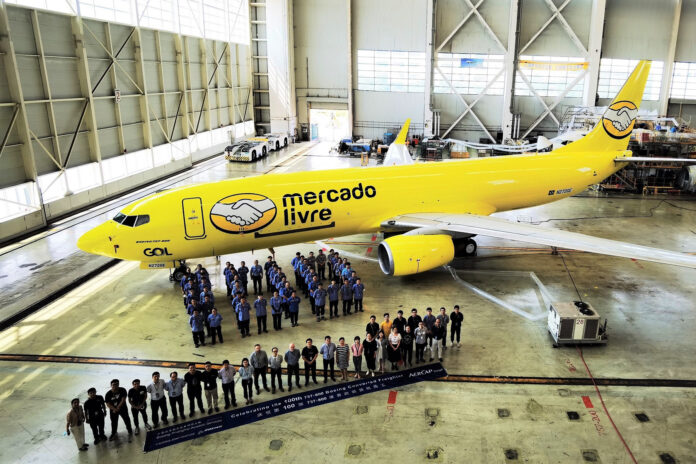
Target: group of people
<point>390,340</point>
<point>310,272</point>
<point>205,319</point>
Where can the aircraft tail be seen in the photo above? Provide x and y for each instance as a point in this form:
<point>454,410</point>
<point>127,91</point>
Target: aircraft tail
<point>614,128</point>
<point>398,154</point>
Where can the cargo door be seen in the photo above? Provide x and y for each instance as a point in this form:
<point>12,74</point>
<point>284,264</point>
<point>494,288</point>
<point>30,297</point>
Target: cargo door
<point>194,225</point>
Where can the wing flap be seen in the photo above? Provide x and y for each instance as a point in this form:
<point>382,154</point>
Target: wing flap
<point>501,228</point>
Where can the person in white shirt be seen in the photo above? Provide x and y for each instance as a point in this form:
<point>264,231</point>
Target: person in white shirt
<point>226,374</point>
<point>157,400</point>
<point>394,348</point>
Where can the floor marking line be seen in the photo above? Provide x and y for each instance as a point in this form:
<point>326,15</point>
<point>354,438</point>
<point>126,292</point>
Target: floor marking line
<point>588,402</point>
<point>456,378</point>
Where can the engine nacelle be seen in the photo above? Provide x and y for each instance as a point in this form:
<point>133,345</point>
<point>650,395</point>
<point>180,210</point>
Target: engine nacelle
<point>411,254</point>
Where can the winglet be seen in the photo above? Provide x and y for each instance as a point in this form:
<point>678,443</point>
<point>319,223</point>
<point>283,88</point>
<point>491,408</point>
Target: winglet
<point>401,138</point>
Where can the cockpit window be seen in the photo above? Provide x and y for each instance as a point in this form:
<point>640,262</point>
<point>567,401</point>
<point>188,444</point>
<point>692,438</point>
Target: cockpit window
<point>142,219</point>
<point>132,221</point>
<point>129,221</point>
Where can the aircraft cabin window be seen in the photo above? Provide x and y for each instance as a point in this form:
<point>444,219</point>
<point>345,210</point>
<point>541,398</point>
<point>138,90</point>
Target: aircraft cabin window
<point>142,219</point>
<point>119,218</point>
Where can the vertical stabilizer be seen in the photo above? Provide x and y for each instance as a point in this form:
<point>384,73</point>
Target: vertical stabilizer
<point>398,154</point>
<point>614,128</point>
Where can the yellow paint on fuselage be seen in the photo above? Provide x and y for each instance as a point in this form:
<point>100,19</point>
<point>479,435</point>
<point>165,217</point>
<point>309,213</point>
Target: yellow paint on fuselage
<point>477,186</point>
<point>255,213</point>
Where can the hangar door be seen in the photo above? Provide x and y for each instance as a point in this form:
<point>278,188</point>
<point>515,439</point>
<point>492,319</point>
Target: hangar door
<point>329,121</point>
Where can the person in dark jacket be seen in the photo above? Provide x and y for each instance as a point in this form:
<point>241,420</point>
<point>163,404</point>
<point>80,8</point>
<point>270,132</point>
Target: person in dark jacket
<point>413,320</point>
<point>399,322</point>
<point>407,346</point>
<point>194,389</point>
<point>95,412</point>
<point>372,327</point>
<point>456,319</point>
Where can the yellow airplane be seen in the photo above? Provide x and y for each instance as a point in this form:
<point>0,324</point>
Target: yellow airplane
<point>428,212</point>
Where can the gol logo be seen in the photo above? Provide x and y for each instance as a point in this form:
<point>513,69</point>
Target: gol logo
<point>619,119</point>
<point>242,213</point>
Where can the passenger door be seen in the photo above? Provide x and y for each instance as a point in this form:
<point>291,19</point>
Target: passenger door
<point>194,224</point>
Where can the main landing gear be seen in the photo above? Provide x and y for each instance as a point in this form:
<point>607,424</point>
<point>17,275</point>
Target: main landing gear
<point>179,272</point>
<point>465,247</point>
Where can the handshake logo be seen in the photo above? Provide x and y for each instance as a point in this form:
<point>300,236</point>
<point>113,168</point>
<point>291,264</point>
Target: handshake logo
<point>619,119</point>
<point>242,213</point>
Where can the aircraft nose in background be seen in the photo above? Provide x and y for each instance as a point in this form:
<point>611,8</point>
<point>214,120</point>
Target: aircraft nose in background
<point>95,241</point>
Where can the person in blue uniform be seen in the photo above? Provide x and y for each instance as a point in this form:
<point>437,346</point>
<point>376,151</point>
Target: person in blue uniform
<point>215,322</point>
<point>313,285</point>
<point>294,308</point>
<point>285,293</point>
<point>347,296</point>
<point>358,291</point>
<point>197,326</point>
<point>319,301</point>
<point>256,273</point>
<point>267,266</point>
<point>260,307</point>
<point>332,291</point>
<point>276,310</point>
<point>243,309</point>
<point>243,272</point>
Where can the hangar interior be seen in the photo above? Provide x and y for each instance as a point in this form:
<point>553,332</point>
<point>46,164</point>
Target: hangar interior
<point>103,102</point>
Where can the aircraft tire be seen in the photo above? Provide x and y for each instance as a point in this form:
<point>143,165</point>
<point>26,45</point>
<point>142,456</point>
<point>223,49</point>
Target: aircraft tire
<point>277,145</point>
<point>253,155</point>
<point>470,247</point>
<point>179,273</point>
<point>285,142</point>
<point>263,151</point>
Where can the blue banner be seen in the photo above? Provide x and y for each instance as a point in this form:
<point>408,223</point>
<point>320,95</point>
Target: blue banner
<point>470,62</point>
<point>197,428</point>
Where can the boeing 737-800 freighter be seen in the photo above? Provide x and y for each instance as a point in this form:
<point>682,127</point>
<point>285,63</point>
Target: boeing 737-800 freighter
<point>428,211</point>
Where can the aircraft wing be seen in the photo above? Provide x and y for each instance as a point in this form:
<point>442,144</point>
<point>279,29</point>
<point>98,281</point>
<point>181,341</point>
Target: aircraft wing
<point>502,228</point>
<point>637,159</point>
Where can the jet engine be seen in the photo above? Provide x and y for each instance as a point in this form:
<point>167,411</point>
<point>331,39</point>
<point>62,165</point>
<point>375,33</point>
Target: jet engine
<point>411,254</point>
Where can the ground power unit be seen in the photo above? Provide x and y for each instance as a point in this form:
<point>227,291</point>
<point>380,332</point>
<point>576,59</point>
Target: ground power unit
<point>575,322</point>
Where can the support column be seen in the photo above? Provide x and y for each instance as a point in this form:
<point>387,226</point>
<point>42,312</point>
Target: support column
<point>428,84</point>
<point>90,116</point>
<point>45,83</point>
<point>160,76</point>
<point>666,87</point>
<point>185,106</point>
<point>594,52</point>
<point>9,60</point>
<point>142,83</point>
<point>349,27</point>
<point>204,84</point>
<point>114,84</point>
<point>510,68</point>
<point>281,72</point>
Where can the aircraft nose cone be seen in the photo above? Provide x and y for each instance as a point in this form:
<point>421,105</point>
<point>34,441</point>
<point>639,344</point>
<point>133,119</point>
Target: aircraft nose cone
<point>92,241</point>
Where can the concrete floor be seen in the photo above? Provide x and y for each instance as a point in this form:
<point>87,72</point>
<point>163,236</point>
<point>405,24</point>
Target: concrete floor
<point>135,314</point>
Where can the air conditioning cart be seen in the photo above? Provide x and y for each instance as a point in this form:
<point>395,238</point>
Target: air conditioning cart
<point>575,322</point>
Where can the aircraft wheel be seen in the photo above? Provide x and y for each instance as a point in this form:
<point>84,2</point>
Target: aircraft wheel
<point>285,142</point>
<point>263,151</point>
<point>470,247</point>
<point>253,156</point>
<point>277,145</point>
<point>179,273</point>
